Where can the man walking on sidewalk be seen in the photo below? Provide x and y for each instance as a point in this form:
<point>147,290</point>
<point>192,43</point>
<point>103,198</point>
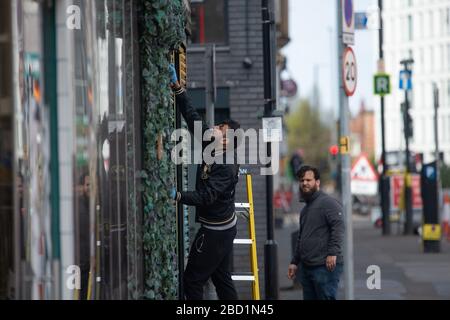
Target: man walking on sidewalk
<point>318,252</point>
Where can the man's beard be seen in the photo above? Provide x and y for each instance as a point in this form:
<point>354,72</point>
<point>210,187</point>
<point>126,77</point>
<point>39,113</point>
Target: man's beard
<point>306,195</point>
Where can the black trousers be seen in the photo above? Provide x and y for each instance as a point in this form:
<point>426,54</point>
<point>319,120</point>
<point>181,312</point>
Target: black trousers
<point>84,281</point>
<point>210,257</point>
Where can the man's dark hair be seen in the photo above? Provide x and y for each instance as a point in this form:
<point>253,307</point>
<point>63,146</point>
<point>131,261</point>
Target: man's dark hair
<point>303,169</point>
<point>232,124</point>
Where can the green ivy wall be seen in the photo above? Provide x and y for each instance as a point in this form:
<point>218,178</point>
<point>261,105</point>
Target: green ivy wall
<point>162,28</point>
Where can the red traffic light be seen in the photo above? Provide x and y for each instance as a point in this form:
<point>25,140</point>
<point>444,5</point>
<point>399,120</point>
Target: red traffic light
<point>334,150</point>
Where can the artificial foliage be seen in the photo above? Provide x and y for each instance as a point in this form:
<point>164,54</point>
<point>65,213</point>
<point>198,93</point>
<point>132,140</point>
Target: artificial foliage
<point>162,28</point>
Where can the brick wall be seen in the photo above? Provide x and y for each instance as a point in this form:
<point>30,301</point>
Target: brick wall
<point>246,101</point>
<point>363,125</point>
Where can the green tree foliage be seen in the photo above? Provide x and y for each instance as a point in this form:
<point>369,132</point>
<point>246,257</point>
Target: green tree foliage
<point>307,131</point>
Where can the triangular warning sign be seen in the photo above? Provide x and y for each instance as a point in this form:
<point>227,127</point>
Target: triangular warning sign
<point>363,170</point>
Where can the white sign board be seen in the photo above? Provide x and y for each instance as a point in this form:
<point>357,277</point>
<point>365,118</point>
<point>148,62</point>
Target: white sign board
<point>364,179</point>
<point>348,22</point>
<point>349,71</point>
<point>272,129</point>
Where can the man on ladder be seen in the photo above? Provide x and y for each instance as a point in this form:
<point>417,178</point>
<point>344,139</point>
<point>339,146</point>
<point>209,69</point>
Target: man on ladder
<point>212,249</point>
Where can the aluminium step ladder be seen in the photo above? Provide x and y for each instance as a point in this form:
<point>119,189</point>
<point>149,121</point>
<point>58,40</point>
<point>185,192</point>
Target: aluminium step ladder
<point>246,210</point>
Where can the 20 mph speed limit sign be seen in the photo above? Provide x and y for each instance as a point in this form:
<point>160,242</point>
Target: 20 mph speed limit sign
<point>349,71</point>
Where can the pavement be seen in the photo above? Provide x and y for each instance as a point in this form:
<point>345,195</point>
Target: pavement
<point>406,272</point>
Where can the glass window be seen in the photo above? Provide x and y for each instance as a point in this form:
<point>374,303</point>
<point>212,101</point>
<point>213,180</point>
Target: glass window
<point>221,107</point>
<point>421,59</point>
<point>410,28</point>
<point>431,58</point>
<point>6,155</point>
<point>431,24</point>
<point>448,94</point>
<point>104,150</point>
<point>447,21</point>
<point>209,21</point>
<point>421,33</point>
<point>448,56</point>
<point>32,154</point>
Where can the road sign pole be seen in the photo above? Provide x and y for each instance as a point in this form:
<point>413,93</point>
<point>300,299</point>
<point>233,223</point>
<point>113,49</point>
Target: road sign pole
<point>384,180</point>
<point>271,246</point>
<point>345,164</point>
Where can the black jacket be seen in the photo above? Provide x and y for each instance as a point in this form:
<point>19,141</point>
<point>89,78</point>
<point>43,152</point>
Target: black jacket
<point>321,231</point>
<point>215,184</point>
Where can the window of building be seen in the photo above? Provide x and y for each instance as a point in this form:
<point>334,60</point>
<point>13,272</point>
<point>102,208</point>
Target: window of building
<point>410,28</point>
<point>104,78</point>
<point>421,64</point>
<point>448,56</point>
<point>6,157</point>
<point>221,107</point>
<point>447,21</point>
<point>446,124</point>
<point>431,58</point>
<point>448,93</point>
<point>442,56</point>
<point>421,34</point>
<point>442,93</point>
<point>209,21</point>
<point>431,23</point>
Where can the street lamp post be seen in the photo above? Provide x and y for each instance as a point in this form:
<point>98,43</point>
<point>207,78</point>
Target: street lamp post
<point>384,179</point>
<point>407,64</point>
<point>270,247</point>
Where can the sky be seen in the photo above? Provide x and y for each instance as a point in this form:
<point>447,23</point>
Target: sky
<point>313,46</point>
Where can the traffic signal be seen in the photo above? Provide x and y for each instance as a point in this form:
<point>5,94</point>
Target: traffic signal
<point>334,150</point>
<point>407,121</point>
<point>410,125</point>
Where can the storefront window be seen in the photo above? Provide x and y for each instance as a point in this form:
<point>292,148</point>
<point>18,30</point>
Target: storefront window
<point>99,160</point>
<point>6,156</point>
<point>107,158</point>
<point>32,141</point>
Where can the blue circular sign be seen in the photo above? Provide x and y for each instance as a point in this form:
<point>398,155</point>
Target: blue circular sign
<point>348,10</point>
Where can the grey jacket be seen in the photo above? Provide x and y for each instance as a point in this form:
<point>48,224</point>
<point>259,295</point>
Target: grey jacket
<point>321,231</point>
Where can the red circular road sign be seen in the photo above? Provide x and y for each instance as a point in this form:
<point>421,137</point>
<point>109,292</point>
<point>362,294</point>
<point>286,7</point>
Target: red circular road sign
<point>349,71</point>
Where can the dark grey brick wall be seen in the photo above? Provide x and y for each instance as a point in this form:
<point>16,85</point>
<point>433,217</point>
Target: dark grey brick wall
<point>246,101</point>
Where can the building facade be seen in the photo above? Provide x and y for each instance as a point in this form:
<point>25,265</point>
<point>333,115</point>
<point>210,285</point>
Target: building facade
<point>235,28</point>
<point>362,129</point>
<point>420,30</point>
<point>85,171</point>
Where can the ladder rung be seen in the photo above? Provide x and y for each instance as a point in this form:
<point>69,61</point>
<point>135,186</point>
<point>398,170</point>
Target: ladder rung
<point>243,278</point>
<point>242,205</point>
<point>243,241</point>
